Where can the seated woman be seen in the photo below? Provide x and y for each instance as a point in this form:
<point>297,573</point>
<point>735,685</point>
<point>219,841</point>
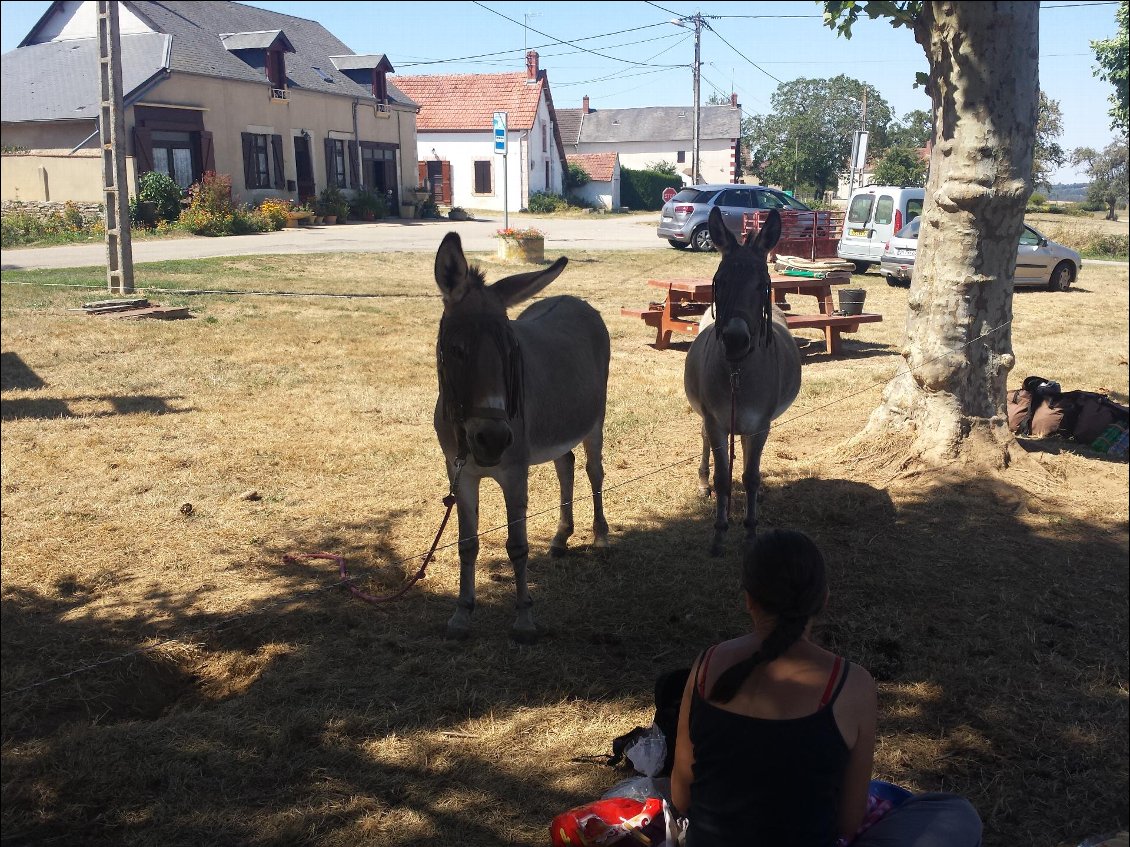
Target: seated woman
<point>777,736</point>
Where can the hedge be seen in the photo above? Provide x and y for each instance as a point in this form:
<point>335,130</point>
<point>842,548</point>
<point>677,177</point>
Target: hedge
<point>643,190</point>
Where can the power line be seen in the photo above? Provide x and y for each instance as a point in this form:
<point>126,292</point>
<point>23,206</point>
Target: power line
<point>562,41</point>
<point>744,56</point>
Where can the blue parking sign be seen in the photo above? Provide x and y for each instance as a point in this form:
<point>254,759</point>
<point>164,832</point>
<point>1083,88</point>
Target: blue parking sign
<point>500,132</point>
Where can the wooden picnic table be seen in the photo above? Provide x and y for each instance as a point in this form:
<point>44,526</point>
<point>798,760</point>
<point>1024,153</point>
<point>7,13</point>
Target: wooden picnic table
<point>687,299</point>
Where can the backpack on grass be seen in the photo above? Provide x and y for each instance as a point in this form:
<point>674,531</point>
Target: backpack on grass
<point>1040,410</point>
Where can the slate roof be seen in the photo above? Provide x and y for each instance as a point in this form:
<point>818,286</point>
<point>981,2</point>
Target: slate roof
<point>468,101</point>
<point>58,81</point>
<point>599,166</point>
<point>195,27</point>
<point>652,123</point>
<point>569,123</point>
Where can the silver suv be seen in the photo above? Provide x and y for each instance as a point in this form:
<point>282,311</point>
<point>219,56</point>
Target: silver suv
<point>683,219</point>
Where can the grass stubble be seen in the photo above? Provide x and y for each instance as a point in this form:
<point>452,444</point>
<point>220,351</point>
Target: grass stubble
<point>278,709</point>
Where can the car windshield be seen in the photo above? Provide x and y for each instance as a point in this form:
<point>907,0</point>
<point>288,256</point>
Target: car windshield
<point>693,195</point>
<point>910,230</point>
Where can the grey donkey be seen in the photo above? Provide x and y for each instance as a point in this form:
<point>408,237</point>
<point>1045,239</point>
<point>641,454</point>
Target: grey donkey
<point>515,393</point>
<point>746,365</point>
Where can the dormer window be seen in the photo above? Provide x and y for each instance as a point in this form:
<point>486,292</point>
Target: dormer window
<point>276,68</point>
<point>369,71</point>
<point>264,51</point>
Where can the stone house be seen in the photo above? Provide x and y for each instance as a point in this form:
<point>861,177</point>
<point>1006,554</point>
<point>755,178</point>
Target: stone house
<point>275,101</point>
<point>603,187</point>
<point>455,137</point>
<point>649,135</point>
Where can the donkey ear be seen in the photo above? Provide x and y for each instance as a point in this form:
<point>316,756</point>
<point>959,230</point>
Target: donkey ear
<point>515,289</point>
<point>723,240</point>
<point>769,234</point>
<point>452,274</point>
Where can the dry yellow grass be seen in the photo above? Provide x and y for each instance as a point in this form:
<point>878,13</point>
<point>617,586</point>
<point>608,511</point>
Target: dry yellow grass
<point>283,711</point>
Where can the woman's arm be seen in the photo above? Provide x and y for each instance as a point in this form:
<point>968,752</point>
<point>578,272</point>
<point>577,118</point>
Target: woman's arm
<point>681,771</point>
<point>858,705</point>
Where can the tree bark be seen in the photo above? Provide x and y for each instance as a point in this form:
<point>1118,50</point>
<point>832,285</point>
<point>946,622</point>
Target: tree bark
<point>984,86</point>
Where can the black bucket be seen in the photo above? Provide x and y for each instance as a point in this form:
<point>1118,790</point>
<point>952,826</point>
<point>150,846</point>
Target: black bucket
<point>851,300</point>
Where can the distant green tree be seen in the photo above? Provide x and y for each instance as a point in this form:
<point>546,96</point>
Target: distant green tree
<point>1109,178</point>
<point>806,137</point>
<point>914,130</point>
<point>664,167</point>
<point>901,166</point>
<point>1113,54</point>
<point>1047,155</point>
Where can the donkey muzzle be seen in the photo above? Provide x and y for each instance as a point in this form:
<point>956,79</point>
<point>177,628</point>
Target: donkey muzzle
<point>736,338</point>
<point>488,439</point>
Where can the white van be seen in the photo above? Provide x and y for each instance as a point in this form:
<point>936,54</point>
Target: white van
<point>874,214</point>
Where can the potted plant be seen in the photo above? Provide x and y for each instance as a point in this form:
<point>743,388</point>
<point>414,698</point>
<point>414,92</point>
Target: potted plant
<point>527,245</point>
<point>333,204</point>
<point>368,205</point>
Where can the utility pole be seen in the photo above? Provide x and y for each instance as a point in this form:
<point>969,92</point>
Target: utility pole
<point>111,128</point>
<point>696,177</point>
<point>698,22</point>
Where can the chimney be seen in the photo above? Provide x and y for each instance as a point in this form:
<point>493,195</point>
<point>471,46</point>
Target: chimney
<point>585,105</point>
<point>532,66</point>
<point>734,100</point>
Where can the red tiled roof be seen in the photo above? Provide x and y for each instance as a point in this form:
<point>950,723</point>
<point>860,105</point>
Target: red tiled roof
<point>469,101</point>
<point>599,166</point>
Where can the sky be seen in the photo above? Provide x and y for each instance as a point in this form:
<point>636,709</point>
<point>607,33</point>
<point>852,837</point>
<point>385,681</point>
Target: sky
<point>628,54</point>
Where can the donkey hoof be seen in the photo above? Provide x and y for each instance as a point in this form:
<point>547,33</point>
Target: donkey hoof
<point>704,491</point>
<point>455,632</point>
<point>600,542</point>
<point>524,635</point>
<point>558,552</point>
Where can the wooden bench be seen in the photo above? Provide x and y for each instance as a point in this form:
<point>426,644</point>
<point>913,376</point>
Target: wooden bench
<point>688,299</point>
<point>832,325</point>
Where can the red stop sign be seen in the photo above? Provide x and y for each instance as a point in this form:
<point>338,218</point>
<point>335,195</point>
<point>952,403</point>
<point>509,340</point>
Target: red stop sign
<point>668,193</point>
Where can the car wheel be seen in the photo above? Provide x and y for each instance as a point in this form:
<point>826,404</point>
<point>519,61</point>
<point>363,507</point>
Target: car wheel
<point>1061,277</point>
<point>678,245</point>
<point>893,281</point>
<point>700,240</point>
<point>861,267</point>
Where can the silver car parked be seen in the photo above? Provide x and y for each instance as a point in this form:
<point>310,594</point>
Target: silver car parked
<point>1040,262</point>
<point>683,219</point>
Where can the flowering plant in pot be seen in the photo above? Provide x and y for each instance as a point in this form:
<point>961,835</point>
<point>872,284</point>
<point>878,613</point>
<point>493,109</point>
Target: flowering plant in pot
<point>527,244</point>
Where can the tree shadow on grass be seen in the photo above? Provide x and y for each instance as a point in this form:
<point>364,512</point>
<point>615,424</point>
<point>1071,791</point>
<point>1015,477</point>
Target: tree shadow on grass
<point>999,643</point>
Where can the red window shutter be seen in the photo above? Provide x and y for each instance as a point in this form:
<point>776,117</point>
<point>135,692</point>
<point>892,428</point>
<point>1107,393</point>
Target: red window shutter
<point>207,152</point>
<point>445,175</point>
<point>277,161</point>
<point>422,168</point>
<point>143,149</point>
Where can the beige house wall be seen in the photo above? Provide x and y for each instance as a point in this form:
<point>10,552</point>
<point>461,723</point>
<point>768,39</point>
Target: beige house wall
<point>232,108</point>
<point>31,177</point>
<point>229,109</point>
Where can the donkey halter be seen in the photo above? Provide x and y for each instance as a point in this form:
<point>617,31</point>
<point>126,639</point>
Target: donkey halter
<point>455,371</point>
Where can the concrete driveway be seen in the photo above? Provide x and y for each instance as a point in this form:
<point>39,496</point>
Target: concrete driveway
<point>563,236</point>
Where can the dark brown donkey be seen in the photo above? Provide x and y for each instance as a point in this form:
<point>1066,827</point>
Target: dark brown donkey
<point>745,366</point>
<point>515,393</point>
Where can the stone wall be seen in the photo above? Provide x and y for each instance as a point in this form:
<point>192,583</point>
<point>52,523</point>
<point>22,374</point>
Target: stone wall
<point>90,211</point>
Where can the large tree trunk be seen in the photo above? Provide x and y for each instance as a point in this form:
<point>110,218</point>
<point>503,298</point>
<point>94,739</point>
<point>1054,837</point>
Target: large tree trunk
<point>984,86</point>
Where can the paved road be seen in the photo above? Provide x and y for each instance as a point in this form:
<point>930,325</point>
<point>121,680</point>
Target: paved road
<point>563,235</point>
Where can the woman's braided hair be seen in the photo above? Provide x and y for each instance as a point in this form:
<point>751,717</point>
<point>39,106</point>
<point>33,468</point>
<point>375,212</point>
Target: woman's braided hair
<point>784,573</point>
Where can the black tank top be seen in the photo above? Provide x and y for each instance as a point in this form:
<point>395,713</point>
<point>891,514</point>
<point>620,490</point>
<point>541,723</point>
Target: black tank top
<point>759,782</point>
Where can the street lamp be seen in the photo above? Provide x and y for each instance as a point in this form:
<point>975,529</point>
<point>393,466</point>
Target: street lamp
<point>696,22</point>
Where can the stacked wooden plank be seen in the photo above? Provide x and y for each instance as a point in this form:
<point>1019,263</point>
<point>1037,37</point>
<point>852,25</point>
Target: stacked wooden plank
<point>134,307</point>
